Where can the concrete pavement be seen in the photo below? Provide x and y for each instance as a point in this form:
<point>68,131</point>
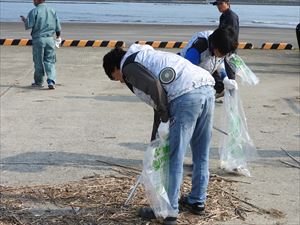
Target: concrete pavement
<point>56,136</point>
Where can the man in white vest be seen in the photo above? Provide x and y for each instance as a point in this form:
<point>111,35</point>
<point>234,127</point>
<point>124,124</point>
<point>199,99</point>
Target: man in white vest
<point>183,96</point>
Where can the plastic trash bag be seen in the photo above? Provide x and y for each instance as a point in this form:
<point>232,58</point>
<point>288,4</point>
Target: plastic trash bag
<point>155,177</point>
<point>237,147</point>
<point>238,65</point>
<point>57,42</point>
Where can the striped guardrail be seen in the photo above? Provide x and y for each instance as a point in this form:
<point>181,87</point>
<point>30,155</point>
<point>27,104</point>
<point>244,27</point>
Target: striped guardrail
<point>176,44</point>
<point>280,46</point>
<point>154,44</point>
<point>20,42</point>
<point>245,45</point>
<point>68,43</point>
<point>92,43</point>
<point>163,44</point>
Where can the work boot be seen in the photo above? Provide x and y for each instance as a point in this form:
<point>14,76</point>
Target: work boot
<point>170,221</point>
<point>146,213</point>
<point>35,85</point>
<point>195,208</point>
<point>51,84</point>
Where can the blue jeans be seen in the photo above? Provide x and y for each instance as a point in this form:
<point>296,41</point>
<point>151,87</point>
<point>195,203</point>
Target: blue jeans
<point>191,123</point>
<point>44,58</point>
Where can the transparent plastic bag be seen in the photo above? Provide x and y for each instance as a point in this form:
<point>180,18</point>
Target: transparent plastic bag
<point>57,42</point>
<point>155,177</point>
<point>238,65</point>
<point>237,147</point>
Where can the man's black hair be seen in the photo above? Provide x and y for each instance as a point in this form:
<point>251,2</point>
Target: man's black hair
<point>224,39</point>
<point>112,60</point>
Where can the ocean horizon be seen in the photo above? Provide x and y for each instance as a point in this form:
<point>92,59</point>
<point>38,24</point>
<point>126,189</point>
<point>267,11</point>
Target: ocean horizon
<point>156,13</point>
<point>238,2</point>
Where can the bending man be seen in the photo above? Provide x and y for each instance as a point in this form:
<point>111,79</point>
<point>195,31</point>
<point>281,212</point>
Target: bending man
<point>182,94</point>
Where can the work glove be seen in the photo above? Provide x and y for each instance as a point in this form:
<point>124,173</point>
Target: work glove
<point>57,42</point>
<point>230,84</point>
<point>163,130</point>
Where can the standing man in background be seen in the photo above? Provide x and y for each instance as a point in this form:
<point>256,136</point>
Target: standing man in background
<point>227,19</point>
<point>43,23</point>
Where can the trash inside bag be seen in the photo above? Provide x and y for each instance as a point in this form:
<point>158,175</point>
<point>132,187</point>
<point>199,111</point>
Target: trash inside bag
<point>155,177</point>
<point>238,65</point>
<point>237,148</point>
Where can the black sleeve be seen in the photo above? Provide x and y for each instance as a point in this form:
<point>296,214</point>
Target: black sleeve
<point>200,44</point>
<point>141,78</point>
<point>156,122</point>
<point>229,71</point>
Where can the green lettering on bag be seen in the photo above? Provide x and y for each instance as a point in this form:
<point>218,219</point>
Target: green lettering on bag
<point>236,61</point>
<point>161,156</point>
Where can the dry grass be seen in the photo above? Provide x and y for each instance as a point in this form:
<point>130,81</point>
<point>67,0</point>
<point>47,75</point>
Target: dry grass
<point>100,200</point>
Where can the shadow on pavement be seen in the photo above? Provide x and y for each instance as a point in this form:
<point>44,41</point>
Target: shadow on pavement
<point>34,162</point>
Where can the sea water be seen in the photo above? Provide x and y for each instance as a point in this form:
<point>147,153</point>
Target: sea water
<point>156,13</point>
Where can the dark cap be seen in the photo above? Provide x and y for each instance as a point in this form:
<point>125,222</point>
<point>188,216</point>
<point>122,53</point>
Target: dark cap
<point>219,1</point>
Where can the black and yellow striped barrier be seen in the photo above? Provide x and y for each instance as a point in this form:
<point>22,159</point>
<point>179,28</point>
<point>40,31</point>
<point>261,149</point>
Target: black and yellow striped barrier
<point>154,44</point>
<point>92,43</point>
<point>280,46</point>
<point>174,44</point>
<point>163,44</point>
<point>245,45</point>
<point>68,43</point>
<point>20,42</point>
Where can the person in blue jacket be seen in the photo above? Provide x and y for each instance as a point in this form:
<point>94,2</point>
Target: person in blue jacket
<point>44,24</point>
<point>208,49</point>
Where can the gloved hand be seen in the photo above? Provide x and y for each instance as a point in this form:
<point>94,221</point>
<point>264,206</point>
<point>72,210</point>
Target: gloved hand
<point>163,130</point>
<point>57,42</point>
<point>230,84</point>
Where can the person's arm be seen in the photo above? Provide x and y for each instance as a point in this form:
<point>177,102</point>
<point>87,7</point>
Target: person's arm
<point>23,18</point>
<point>229,84</point>
<point>156,122</point>
<point>141,78</point>
<point>29,22</point>
<point>193,54</point>
<point>221,70</point>
<point>57,27</point>
<point>233,21</point>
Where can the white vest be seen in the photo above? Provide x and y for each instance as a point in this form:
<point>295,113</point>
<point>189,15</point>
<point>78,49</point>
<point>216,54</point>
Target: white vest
<point>187,75</point>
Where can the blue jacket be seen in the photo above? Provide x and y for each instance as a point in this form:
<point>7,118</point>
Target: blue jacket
<point>43,21</point>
